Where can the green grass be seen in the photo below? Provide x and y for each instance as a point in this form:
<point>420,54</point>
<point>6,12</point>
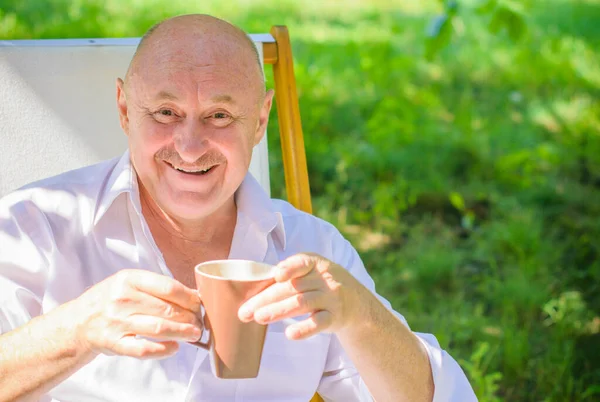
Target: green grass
<point>470,183</point>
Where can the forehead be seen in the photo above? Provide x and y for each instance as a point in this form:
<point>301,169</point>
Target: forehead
<point>203,70</point>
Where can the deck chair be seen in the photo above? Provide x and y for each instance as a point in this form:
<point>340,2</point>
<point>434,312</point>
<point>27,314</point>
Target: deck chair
<point>58,110</point>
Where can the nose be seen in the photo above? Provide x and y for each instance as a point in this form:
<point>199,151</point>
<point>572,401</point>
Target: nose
<point>190,142</point>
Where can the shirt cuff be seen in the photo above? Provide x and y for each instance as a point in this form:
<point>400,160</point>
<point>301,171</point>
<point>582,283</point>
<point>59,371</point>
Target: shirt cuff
<point>451,383</point>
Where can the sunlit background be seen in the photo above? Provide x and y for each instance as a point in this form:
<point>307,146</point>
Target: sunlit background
<point>457,144</point>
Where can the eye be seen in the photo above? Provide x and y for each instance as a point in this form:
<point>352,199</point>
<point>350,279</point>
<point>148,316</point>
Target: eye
<point>220,119</point>
<point>165,115</point>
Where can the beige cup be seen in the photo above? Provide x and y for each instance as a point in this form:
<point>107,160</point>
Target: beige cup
<point>224,285</point>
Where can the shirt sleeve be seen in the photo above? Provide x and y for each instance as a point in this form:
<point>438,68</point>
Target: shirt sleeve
<point>23,263</point>
<point>341,381</point>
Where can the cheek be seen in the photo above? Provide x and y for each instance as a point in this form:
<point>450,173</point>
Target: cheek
<point>145,141</point>
<point>234,142</point>
<point>240,150</point>
<point>147,138</point>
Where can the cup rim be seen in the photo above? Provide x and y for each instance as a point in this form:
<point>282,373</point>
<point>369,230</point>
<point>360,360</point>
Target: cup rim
<point>271,274</point>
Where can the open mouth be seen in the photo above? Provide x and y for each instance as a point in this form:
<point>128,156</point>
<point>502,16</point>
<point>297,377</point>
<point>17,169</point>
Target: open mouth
<point>192,171</point>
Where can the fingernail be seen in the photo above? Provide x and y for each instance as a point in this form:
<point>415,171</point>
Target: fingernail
<point>245,314</point>
<point>291,333</point>
<point>196,334</point>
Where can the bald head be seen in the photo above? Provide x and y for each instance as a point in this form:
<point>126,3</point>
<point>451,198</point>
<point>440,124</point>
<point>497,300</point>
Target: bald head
<point>193,108</point>
<point>197,37</point>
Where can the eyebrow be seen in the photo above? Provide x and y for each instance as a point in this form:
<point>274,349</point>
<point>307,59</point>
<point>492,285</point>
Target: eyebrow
<point>222,99</point>
<point>216,99</point>
<point>165,95</point>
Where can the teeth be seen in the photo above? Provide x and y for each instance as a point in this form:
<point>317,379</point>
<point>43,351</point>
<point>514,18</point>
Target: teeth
<point>192,171</point>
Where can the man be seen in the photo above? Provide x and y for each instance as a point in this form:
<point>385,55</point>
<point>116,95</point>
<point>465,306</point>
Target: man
<point>97,296</point>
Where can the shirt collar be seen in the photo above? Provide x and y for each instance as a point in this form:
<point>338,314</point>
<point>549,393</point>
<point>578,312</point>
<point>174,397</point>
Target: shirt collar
<point>121,180</point>
<point>255,207</point>
<point>253,204</point>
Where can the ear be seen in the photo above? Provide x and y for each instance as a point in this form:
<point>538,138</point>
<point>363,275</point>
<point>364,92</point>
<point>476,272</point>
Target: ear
<point>122,106</point>
<point>263,118</point>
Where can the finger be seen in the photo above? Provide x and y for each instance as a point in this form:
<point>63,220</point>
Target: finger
<point>272,294</point>
<point>146,304</point>
<point>278,292</point>
<point>144,348</point>
<point>317,322</point>
<point>312,281</point>
<point>298,304</point>
<point>294,267</point>
<point>158,328</point>
<point>165,288</point>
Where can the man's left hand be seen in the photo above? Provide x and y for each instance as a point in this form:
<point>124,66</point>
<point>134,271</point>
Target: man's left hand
<point>308,284</point>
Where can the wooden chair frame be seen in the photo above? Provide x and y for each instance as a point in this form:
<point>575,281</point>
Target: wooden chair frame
<point>279,54</point>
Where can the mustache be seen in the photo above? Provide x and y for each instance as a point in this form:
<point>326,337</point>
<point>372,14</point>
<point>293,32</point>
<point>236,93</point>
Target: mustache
<point>207,159</point>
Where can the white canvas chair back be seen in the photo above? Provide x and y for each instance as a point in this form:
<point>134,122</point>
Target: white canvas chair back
<point>58,107</point>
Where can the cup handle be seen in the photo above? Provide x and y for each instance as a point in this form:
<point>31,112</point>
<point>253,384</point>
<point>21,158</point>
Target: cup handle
<point>203,345</point>
<point>199,343</point>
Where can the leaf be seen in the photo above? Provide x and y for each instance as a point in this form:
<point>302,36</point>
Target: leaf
<point>436,25</point>
<point>496,22</point>
<point>509,18</point>
<point>514,6</point>
<point>451,7</point>
<point>468,220</point>
<point>486,6</point>
<point>591,391</point>
<point>457,201</point>
<point>516,25</point>
<point>439,34</point>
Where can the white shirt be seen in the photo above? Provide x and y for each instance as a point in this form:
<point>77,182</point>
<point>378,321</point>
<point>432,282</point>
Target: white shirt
<point>62,235</point>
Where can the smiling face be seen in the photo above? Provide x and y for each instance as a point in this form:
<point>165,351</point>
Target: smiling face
<point>193,108</point>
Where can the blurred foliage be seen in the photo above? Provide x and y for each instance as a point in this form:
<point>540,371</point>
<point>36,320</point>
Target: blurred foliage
<point>457,144</point>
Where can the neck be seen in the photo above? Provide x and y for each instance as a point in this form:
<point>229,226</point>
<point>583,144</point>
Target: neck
<point>214,229</point>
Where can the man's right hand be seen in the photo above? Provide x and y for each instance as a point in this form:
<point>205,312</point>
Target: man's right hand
<point>119,314</point>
